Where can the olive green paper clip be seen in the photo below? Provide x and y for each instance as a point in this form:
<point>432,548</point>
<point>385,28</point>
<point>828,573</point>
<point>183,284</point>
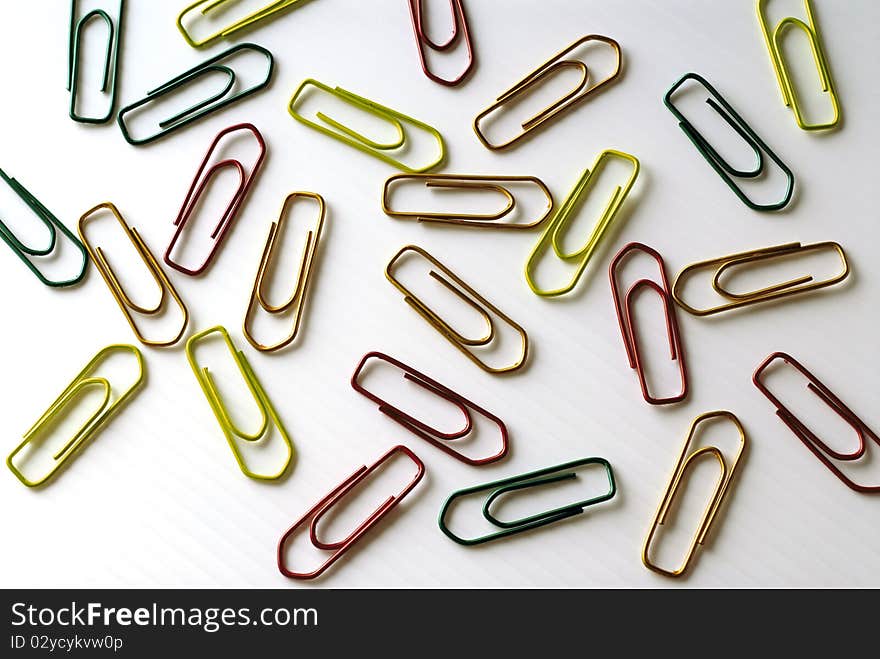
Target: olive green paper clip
<point>207,7</point>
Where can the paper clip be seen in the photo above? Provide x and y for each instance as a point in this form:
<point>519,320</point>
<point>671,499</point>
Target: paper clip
<point>785,289</point>
<point>470,297</point>
<point>216,101</point>
<point>230,430</point>
<point>166,288</point>
<point>205,7</point>
<point>541,477</point>
<point>435,436</point>
<point>786,86</point>
<point>624,309</point>
<point>111,61</point>
<point>449,182</point>
<point>381,150</point>
<point>723,168</point>
<point>332,499</point>
<point>297,299</point>
<point>722,488</point>
<point>459,28</point>
<point>547,70</point>
<point>52,223</point>
<point>554,231</point>
<point>81,383</point>
<point>197,189</point>
<point>819,448</point>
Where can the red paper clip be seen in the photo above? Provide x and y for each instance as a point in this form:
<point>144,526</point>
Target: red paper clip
<point>459,22</point>
<point>819,448</point>
<point>436,437</point>
<point>320,509</point>
<point>201,182</point>
<point>628,327</point>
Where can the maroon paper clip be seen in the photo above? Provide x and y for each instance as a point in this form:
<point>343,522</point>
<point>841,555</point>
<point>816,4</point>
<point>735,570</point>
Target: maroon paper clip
<point>459,27</point>
<point>436,437</point>
<point>200,183</point>
<point>320,509</point>
<point>628,327</point>
<point>819,448</point>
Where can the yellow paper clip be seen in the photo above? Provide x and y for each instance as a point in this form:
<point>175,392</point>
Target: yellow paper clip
<point>166,288</point>
<point>381,150</point>
<point>231,431</point>
<point>723,264</point>
<point>547,70</point>
<point>297,300</point>
<point>470,297</point>
<point>722,487</point>
<point>205,7</point>
<point>111,403</point>
<point>555,230</point>
<point>786,86</point>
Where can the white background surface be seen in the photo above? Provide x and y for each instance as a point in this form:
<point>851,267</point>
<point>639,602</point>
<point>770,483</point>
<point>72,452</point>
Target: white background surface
<point>156,498</point>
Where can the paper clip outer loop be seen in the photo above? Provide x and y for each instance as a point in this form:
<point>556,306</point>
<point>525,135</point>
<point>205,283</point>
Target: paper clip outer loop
<point>126,304</point>
<point>111,62</point>
<point>561,218</point>
<point>724,169</point>
<point>230,430</point>
<point>628,331</point>
<point>254,17</point>
<point>722,488</point>
<point>340,548</point>
<point>430,434</point>
<point>786,86</point>
<point>198,186</point>
<point>548,68</point>
<point>53,224</point>
<point>459,28</point>
<point>300,294</point>
<point>460,342</point>
<point>468,182</point>
<point>204,107</point>
<point>523,481</point>
<point>776,291</point>
<point>361,142</point>
<point>820,449</point>
<point>92,425</point>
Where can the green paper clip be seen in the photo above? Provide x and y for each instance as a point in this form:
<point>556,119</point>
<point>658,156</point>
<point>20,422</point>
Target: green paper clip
<point>103,414</point>
<point>546,476</point>
<point>786,86</point>
<point>723,168</point>
<point>206,7</point>
<point>351,137</point>
<point>52,223</point>
<point>552,236</point>
<point>111,61</point>
<point>230,430</point>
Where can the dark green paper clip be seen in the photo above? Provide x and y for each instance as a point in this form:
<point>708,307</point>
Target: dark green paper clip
<point>52,223</point>
<point>111,61</point>
<point>206,106</point>
<point>537,478</point>
<point>724,169</point>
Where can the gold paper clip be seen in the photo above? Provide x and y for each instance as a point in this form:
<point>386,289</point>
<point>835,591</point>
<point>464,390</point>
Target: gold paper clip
<point>685,461</point>
<point>381,150</point>
<point>786,86</point>
<point>205,7</point>
<point>297,299</point>
<point>81,383</point>
<point>553,233</point>
<point>473,299</point>
<point>125,303</point>
<point>795,286</point>
<point>547,70</point>
<point>491,220</point>
<point>231,431</point>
